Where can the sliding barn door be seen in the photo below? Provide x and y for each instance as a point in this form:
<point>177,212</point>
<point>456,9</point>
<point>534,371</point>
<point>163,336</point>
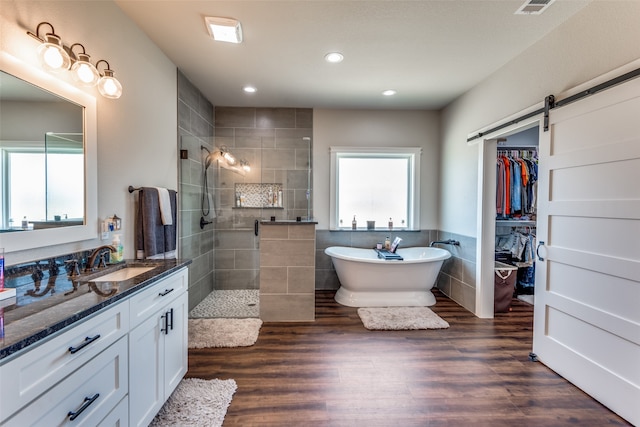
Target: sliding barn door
<point>587,307</point>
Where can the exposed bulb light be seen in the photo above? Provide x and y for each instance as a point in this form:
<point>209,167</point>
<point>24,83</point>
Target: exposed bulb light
<point>51,52</point>
<point>245,165</point>
<point>389,92</point>
<point>224,29</point>
<point>82,70</point>
<point>250,89</point>
<point>108,85</point>
<point>55,56</point>
<point>334,57</point>
<point>227,156</point>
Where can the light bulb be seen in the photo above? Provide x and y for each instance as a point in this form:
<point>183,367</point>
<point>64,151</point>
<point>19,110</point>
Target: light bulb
<point>109,86</point>
<point>229,158</point>
<point>52,55</point>
<point>84,72</point>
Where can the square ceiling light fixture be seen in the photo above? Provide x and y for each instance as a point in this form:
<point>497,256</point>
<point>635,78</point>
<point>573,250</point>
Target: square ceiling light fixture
<point>224,29</point>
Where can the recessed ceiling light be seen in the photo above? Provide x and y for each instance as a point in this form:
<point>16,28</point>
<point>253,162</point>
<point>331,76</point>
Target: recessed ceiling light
<point>249,89</point>
<point>224,29</point>
<point>389,92</point>
<point>334,57</point>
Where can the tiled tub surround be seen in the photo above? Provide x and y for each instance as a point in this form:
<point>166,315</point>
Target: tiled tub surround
<point>287,265</point>
<point>64,300</point>
<point>456,279</point>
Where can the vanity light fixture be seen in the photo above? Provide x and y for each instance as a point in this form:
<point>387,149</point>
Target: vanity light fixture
<point>55,56</point>
<point>51,52</point>
<point>224,29</point>
<point>245,165</point>
<point>108,85</point>
<point>334,57</point>
<point>83,71</point>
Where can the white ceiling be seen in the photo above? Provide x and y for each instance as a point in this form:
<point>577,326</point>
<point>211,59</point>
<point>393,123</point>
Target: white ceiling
<point>429,51</point>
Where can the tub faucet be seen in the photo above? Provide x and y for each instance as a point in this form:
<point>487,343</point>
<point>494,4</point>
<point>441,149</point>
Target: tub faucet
<point>446,242</point>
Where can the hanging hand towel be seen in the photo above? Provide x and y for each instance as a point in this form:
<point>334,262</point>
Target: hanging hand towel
<point>154,240</point>
<point>165,206</point>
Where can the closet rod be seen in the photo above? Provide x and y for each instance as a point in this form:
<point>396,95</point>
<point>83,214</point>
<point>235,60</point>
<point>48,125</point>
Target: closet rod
<point>562,102</point>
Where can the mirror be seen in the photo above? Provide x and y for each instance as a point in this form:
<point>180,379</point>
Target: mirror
<point>48,183</point>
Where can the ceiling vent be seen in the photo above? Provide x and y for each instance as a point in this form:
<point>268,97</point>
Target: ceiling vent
<point>534,7</point>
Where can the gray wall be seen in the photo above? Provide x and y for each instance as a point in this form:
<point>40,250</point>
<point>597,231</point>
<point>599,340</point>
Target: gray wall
<point>195,128</point>
<point>271,140</point>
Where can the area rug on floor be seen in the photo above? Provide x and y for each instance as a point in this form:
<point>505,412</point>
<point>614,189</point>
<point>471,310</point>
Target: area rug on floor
<point>196,402</point>
<point>204,333</point>
<point>239,303</point>
<point>400,318</point>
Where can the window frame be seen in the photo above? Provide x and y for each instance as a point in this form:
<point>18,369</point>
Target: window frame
<point>413,154</point>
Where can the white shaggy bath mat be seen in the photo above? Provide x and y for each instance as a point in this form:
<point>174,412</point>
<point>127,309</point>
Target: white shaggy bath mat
<point>204,333</point>
<point>400,318</point>
<point>196,403</point>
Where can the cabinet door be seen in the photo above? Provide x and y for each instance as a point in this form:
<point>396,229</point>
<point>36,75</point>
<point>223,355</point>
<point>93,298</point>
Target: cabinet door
<point>176,344</point>
<point>146,359</point>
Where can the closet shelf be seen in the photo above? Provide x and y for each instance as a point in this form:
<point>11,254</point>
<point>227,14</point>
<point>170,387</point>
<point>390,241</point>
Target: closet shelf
<point>515,223</point>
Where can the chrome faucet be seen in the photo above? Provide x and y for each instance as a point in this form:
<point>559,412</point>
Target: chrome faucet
<point>446,242</point>
<point>98,252</point>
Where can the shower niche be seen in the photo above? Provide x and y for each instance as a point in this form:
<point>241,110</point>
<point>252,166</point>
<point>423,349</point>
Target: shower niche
<point>263,195</point>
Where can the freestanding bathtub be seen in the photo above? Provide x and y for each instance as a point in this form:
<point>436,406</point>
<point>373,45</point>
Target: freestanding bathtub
<point>368,281</point>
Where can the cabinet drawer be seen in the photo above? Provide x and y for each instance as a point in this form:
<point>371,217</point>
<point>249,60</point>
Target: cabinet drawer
<point>153,298</point>
<point>91,392</point>
<point>34,372</point>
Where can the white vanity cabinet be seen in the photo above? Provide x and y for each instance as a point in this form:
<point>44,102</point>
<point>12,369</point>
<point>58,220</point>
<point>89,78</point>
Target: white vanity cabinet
<point>158,344</point>
<point>82,370</point>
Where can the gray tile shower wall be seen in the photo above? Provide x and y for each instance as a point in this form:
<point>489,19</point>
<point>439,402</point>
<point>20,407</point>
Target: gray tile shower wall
<point>195,128</point>
<point>271,140</point>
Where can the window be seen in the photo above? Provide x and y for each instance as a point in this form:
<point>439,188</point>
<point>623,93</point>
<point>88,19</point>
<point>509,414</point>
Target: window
<point>375,184</point>
<point>26,193</point>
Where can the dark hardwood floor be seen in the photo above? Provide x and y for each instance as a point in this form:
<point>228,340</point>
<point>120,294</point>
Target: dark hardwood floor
<point>334,372</point>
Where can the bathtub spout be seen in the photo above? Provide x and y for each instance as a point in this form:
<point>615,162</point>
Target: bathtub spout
<point>446,242</point>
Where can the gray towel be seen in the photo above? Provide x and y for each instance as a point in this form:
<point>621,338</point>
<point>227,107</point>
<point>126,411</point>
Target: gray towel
<point>153,238</point>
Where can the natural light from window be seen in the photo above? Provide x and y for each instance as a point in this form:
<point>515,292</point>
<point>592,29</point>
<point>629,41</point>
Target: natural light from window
<point>374,185</point>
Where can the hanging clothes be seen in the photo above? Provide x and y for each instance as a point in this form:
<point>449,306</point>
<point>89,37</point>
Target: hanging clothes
<point>516,182</point>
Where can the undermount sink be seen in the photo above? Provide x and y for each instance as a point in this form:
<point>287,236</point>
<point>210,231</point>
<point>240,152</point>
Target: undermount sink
<point>122,274</point>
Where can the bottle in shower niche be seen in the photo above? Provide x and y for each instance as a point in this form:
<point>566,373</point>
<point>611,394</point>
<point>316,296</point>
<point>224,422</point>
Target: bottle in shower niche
<point>390,224</point>
<point>354,223</point>
<point>387,243</point>
<point>25,223</point>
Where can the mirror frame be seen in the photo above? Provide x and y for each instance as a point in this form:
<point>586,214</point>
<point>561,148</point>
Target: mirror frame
<point>24,240</point>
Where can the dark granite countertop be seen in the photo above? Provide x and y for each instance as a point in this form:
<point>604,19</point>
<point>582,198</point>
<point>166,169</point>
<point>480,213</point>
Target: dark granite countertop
<point>28,319</point>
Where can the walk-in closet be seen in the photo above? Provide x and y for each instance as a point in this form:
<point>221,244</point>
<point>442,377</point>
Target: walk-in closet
<point>516,207</point>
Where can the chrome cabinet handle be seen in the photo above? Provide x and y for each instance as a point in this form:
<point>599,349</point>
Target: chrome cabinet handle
<point>540,243</point>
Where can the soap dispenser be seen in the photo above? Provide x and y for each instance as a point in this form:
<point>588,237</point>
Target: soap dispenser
<point>118,255</point>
